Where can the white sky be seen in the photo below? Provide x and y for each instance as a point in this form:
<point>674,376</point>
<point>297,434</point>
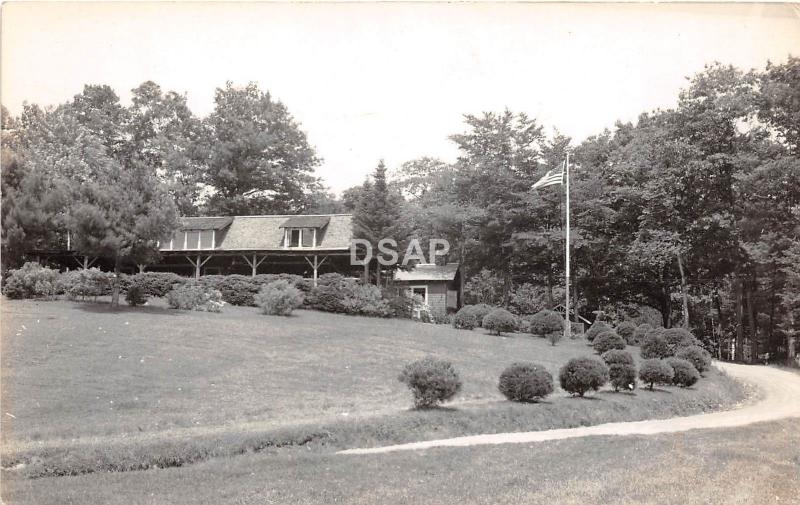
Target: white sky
<point>370,81</point>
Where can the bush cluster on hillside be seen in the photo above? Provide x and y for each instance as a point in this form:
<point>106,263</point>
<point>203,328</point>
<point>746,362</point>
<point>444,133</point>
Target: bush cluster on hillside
<point>606,341</point>
<point>626,330</point>
<point>640,332</point>
<point>545,322</point>
<point>697,356</point>
<point>279,298</point>
<point>655,371</point>
<point>195,296</point>
<point>431,381</point>
<point>242,289</point>
<point>344,295</point>
<point>499,321</point>
<point>621,369</point>
<point>596,329</point>
<point>471,316</point>
<point>684,374</point>
<point>580,375</point>
<point>31,280</point>
<point>525,382</point>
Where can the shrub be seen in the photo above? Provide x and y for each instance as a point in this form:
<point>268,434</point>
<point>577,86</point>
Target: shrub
<point>655,371</point>
<point>684,373</point>
<point>31,280</point>
<point>654,345</point>
<point>525,382</point>
<point>236,289</point>
<point>156,283</point>
<point>606,341</point>
<point>545,322</point>
<point>279,298</point>
<point>626,330</point>
<point>678,338</point>
<point>340,294</point>
<point>431,381</point>
<point>399,305</point>
<point>640,332</point>
<point>465,318</point>
<point>617,357</point>
<point>697,356</point>
<point>597,328</point>
<point>580,375</point>
<point>89,283</point>
<point>499,320</point>
<point>622,376</point>
<point>135,296</point>
<point>481,310</point>
<point>485,287</point>
<point>195,296</point>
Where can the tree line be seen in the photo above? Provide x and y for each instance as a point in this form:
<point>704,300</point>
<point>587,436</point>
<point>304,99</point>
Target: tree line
<point>693,211</point>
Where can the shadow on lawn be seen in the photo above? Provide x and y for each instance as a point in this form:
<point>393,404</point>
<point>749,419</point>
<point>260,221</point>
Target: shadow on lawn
<point>102,307</point>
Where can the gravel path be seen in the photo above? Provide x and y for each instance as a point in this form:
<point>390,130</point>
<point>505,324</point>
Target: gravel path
<point>781,399</point>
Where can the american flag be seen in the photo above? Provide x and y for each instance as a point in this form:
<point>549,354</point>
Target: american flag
<point>555,176</point>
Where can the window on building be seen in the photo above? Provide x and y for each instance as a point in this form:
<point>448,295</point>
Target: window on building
<point>207,239</point>
<point>308,237</point>
<point>295,237</point>
<point>421,291</point>
<point>193,239</point>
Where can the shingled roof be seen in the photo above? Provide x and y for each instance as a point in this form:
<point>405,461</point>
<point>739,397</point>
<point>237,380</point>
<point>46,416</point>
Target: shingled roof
<point>205,223</point>
<point>428,272</point>
<point>264,233</point>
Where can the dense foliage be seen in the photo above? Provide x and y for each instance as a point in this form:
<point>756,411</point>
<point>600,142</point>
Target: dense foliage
<point>431,381</point>
<point>545,322</point>
<point>195,296</point>
<point>626,330</point>
<point>606,341</point>
<point>596,329</point>
<point>31,280</point>
<point>580,375</point>
<point>499,321</point>
<point>655,371</point>
<point>525,382</point>
<point>279,298</point>
<point>697,356</point>
<point>684,374</point>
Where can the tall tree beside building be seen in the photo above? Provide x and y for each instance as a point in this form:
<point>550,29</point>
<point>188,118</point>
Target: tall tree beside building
<point>256,158</point>
<point>378,215</point>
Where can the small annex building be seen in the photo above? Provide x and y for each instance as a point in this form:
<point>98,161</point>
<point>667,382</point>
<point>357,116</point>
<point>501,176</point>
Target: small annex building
<point>438,285</point>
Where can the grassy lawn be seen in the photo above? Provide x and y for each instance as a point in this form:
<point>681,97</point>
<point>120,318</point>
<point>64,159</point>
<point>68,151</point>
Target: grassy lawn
<point>754,465</point>
<point>86,389</point>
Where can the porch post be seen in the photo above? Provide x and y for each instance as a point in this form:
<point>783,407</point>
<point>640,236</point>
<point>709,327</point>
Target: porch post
<point>197,268</point>
<point>141,267</point>
<point>255,265</point>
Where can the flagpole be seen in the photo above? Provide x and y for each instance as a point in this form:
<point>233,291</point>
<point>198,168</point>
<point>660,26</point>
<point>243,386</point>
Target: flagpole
<point>567,328</point>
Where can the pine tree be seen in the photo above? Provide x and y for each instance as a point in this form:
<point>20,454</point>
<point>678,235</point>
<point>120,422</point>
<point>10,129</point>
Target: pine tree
<point>378,215</point>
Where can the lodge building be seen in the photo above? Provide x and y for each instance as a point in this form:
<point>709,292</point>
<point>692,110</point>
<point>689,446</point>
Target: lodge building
<point>249,245</point>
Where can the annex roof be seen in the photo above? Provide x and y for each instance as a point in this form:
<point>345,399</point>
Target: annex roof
<point>428,272</point>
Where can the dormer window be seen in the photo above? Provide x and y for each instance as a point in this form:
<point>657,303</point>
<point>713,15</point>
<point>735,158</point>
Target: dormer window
<point>300,237</point>
<point>304,231</point>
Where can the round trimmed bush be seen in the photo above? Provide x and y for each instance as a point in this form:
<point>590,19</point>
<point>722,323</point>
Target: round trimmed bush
<point>579,375</point>
<point>135,296</point>
<point>640,332</point>
<point>678,338</point>
<point>684,373</point>
<point>279,298</point>
<point>695,355</point>
<point>606,341</point>
<point>655,371</point>
<point>431,381</point>
<point>481,310</point>
<point>545,322</point>
<point>622,376</point>
<point>626,329</point>
<point>655,346</point>
<point>618,357</point>
<point>465,319</point>
<point>525,382</point>
<point>597,328</point>
<point>499,320</point>
<point>156,283</point>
